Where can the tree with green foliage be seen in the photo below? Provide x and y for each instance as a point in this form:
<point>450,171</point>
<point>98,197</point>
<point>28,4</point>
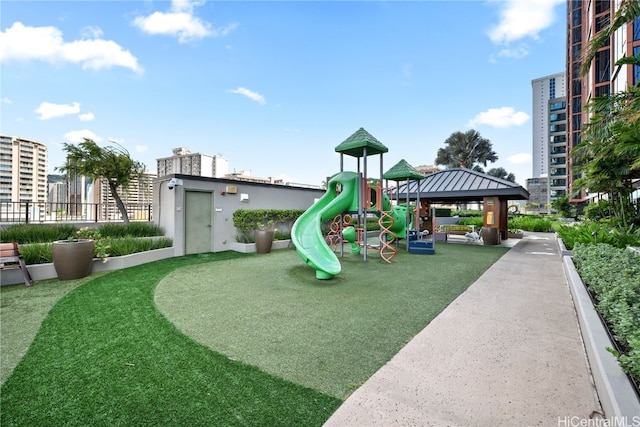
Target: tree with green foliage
<point>466,150</point>
<point>628,11</point>
<point>563,206</point>
<point>608,157</point>
<point>114,164</point>
<point>502,174</point>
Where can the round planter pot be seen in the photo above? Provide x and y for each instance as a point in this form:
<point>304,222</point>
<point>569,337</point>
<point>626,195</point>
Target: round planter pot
<point>264,239</point>
<point>72,259</point>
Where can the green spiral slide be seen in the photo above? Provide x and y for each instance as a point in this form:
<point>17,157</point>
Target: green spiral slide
<point>306,233</point>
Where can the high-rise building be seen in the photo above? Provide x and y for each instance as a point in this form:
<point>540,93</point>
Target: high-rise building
<point>549,130</point>
<point>187,163</point>
<point>137,195</point>
<point>584,20</point>
<point>23,170</point>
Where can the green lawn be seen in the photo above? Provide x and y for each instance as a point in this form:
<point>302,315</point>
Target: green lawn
<point>264,342</point>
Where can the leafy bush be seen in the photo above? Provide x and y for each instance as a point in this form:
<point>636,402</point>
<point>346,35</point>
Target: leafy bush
<point>594,232</point>
<point>613,276</point>
<point>477,221</point>
<point>40,253</point>
<point>245,220</point>
<point>530,223</point>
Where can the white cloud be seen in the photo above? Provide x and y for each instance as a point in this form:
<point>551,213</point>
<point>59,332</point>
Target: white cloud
<point>20,42</point>
<point>519,159</point>
<point>48,110</point>
<point>518,52</point>
<point>86,117</point>
<point>250,94</point>
<point>523,18</point>
<point>6,100</point>
<point>141,148</point>
<point>502,117</point>
<point>77,136</point>
<point>181,22</point>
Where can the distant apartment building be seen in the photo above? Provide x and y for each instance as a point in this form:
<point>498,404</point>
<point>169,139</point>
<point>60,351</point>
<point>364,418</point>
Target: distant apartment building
<point>584,20</point>
<point>427,169</point>
<point>549,131</point>
<point>23,170</point>
<point>138,196</point>
<point>186,163</point>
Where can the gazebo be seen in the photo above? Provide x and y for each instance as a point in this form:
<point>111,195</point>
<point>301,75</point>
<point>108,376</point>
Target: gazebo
<point>466,185</point>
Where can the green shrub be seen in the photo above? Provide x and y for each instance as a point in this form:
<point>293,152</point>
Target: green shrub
<point>588,232</point>
<point>132,229</point>
<point>36,253</point>
<point>131,245</point>
<point>613,276</point>
<point>443,212</point>
<point>47,233</point>
<point>40,253</point>
<point>467,213</point>
<point>530,223</point>
<point>37,233</point>
<point>477,221</point>
<point>246,220</point>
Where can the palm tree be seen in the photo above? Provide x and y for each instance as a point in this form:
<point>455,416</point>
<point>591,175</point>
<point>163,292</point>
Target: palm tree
<point>609,154</point>
<point>502,174</point>
<point>465,149</point>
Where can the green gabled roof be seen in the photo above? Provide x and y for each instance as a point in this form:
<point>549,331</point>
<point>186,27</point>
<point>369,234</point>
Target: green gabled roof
<point>402,171</point>
<point>356,143</point>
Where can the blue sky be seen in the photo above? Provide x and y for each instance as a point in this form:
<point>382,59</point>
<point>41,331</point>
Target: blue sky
<point>274,87</point>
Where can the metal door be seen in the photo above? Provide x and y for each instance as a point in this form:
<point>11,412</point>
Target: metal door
<point>198,217</point>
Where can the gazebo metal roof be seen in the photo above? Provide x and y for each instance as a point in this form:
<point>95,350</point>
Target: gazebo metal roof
<point>356,143</point>
<point>461,184</point>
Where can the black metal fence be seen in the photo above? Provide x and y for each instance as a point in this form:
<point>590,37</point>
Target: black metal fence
<point>30,212</point>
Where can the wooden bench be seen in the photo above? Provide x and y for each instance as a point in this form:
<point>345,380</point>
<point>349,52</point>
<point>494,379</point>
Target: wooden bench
<point>10,258</point>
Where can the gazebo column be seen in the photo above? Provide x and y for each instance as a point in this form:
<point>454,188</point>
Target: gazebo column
<point>504,219</point>
<point>492,220</point>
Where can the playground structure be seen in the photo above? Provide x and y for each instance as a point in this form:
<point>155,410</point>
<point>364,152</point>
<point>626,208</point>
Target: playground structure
<point>350,200</point>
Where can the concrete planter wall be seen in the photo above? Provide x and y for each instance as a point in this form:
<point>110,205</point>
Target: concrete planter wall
<point>251,247</point>
<point>47,271</point>
<point>616,392</point>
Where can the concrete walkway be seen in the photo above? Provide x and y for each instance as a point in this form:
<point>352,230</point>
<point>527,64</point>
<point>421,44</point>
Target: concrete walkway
<point>506,352</point>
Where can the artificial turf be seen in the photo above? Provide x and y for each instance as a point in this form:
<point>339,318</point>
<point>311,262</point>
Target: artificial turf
<point>106,355</point>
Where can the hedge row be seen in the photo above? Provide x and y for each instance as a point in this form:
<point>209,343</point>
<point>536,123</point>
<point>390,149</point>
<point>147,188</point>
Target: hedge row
<point>248,220</point>
<point>613,276</point>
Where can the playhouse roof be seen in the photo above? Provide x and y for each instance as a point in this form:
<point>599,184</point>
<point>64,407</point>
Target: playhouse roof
<point>402,171</point>
<point>356,144</point>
